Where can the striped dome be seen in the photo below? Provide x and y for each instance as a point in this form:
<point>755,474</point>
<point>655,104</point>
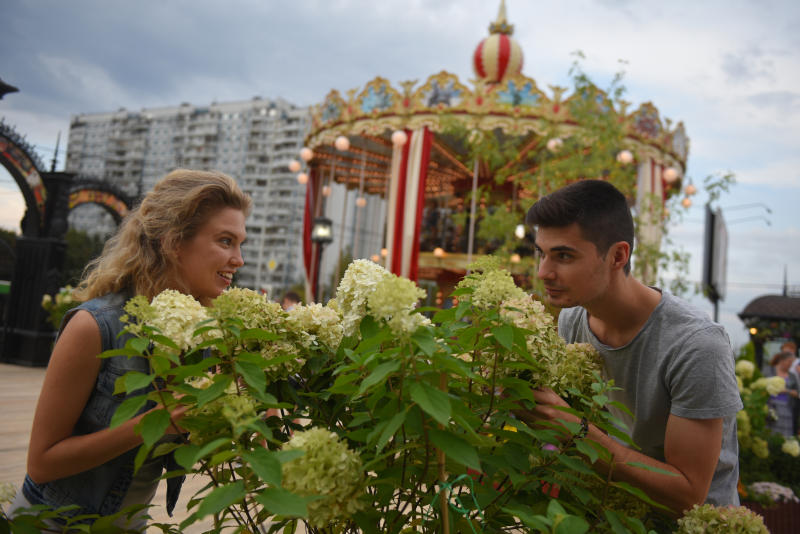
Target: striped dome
<point>496,57</point>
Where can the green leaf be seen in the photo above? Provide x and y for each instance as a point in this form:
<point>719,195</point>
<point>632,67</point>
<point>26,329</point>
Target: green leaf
<point>135,380</point>
<point>455,448</point>
<point>540,523</point>
<point>266,465</point>
<point>423,338</point>
<point>252,374</point>
<point>434,402</point>
<point>221,498</point>
<point>259,334</point>
<point>389,430</point>
<point>378,375</point>
<point>189,454</point>
<point>127,409</point>
<point>587,450</point>
<point>617,525</point>
<point>215,390</point>
<point>167,342</point>
<point>504,335</point>
<point>572,524</point>
<point>139,344</point>
<point>285,503</point>
<point>152,426</point>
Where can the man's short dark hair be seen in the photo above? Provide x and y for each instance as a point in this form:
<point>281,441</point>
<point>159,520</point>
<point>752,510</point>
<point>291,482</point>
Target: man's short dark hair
<point>600,210</point>
<point>292,296</point>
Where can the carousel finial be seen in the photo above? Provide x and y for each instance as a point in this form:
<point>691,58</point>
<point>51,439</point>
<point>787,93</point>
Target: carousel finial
<point>501,25</point>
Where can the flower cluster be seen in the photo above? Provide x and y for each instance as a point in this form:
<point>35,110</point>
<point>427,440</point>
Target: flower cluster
<point>327,469</point>
<point>173,314</point>
<point>563,366</point>
<point>57,307</point>
<point>710,519</point>
<point>791,447</point>
<point>369,289</point>
<point>772,492</point>
<point>490,284</point>
<point>7,492</point>
<point>253,310</point>
<point>772,385</point>
<point>316,323</point>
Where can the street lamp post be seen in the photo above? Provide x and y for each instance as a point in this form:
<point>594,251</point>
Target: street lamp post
<point>321,235</point>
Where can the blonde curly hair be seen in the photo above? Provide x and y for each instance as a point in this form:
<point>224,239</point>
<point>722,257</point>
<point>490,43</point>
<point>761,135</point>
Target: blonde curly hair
<point>141,256</point>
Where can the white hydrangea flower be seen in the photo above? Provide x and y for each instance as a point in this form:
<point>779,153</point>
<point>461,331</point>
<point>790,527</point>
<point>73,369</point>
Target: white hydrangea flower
<point>775,385</point>
<point>327,469</point>
<point>359,281</point>
<point>393,301</point>
<point>791,447</point>
<point>745,369</point>
<point>7,492</point>
<point>316,322</point>
<point>175,315</point>
<point>491,287</point>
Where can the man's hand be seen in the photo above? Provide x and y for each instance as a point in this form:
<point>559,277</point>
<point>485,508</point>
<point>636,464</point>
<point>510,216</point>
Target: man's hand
<point>549,407</point>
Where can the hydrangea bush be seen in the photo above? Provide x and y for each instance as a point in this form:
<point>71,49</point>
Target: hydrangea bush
<point>371,415</point>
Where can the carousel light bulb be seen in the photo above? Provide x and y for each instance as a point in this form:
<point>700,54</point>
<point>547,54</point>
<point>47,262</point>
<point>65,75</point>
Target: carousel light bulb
<point>691,189</point>
<point>686,202</point>
<point>438,252</point>
<point>326,190</point>
<point>670,175</point>
<point>375,258</point>
<point>753,330</point>
<point>361,202</point>
<point>519,231</point>
<point>302,178</point>
<point>306,154</point>
<point>294,166</point>
<point>625,157</point>
<point>399,138</point>
<point>554,144</point>
<point>384,252</point>
<point>515,258</point>
<point>666,213</point>
<point>342,143</point>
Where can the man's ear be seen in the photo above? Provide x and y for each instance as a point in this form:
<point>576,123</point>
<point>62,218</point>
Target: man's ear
<point>620,253</point>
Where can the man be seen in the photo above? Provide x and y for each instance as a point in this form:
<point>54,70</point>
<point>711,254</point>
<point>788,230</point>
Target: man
<point>290,300</point>
<point>674,365</point>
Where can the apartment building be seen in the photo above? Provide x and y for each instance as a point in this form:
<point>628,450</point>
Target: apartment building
<point>252,141</point>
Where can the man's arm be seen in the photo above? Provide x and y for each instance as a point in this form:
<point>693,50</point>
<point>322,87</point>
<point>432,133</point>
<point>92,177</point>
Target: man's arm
<point>691,452</point>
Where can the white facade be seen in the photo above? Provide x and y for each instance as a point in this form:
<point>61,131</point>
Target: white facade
<point>252,141</point>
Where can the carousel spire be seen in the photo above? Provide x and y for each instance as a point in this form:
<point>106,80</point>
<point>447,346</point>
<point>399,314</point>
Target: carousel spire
<point>501,25</point>
<point>499,55</point>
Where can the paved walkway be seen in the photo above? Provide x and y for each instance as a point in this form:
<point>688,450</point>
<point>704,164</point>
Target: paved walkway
<point>19,390</point>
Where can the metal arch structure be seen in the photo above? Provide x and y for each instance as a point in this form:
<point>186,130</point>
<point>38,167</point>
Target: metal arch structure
<point>101,193</point>
<point>26,337</point>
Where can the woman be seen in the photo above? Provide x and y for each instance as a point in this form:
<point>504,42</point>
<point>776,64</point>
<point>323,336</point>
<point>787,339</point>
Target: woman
<point>782,404</point>
<point>185,235</point>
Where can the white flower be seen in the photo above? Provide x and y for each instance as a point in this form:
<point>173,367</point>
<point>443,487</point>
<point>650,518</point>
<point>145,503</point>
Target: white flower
<point>791,447</point>
<point>745,369</point>
<point>316,322</point>
<point>775,385</point>
<point>7,492</point>
<point>359,281</point>
<point>174,314</point>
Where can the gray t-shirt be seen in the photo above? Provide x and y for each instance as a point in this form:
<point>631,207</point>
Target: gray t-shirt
<point>680,363</point>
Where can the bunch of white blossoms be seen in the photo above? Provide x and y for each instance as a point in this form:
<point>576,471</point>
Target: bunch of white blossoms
<point>327,469</point>
<point>254,310</point>
<point>745,369</point>
<point>710,519</point>
<point>369,289</point>
<point>173,314</point>
<point>490,284</point>
<point>773,385</point>
<point>773,491</point>
<point>791,447</point>
<point>314,322</point>
<point>562,366</point>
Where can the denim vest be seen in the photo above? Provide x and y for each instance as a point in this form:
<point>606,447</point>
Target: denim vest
<point>101,490</point>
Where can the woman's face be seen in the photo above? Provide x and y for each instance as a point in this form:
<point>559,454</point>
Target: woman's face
<point>207,261</point>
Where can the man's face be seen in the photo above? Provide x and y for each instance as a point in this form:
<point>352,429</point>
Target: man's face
<point>573,271</point>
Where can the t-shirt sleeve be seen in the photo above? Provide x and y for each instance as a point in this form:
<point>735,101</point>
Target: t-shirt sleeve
<point>701,378</point>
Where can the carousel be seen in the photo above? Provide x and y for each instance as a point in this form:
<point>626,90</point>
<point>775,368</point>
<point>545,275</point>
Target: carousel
<point>410,192</point>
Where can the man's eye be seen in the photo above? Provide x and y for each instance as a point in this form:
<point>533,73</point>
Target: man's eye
<point>226,241</point>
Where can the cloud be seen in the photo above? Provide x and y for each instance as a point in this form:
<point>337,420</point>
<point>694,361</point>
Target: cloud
<point>782,103</point>
<point>747,66</point>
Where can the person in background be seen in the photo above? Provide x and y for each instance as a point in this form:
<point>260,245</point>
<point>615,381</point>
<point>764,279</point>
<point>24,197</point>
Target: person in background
<point>794,372</point>
<point>290,300</point>
<point>675,367</point>
<point>782,405</point>
<point>185,235</point>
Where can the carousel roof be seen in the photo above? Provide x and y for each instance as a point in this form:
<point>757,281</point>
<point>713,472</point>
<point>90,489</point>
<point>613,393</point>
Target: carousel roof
<point>776,307</point>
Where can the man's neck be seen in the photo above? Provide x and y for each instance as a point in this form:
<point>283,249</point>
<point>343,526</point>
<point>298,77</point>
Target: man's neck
<point>622,312</point>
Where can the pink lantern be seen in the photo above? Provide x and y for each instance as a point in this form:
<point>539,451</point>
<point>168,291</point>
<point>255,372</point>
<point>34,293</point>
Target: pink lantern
<point>670,175</point>
<point>361,202</point>
<point>342,143</point>
<point>306,154</point>
<point>399,138</point>
<point>326,190</point>
<point>302,178</point>
<point>438,252</point>
<point>625,157</point>
<point>294,166</point>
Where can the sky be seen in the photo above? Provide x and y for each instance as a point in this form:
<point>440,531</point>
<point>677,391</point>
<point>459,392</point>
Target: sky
<point>729,69</point>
